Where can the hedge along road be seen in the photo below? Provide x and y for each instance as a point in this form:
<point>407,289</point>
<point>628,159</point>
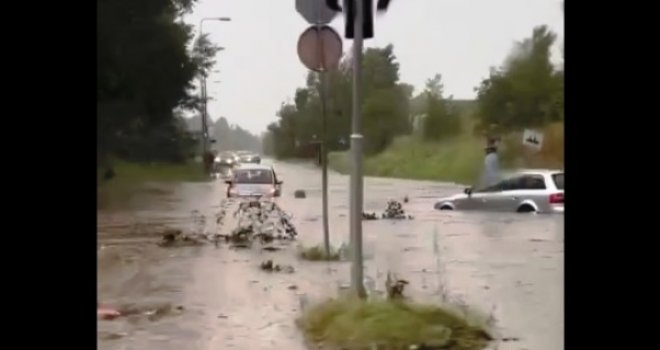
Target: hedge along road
<point>208,297</point>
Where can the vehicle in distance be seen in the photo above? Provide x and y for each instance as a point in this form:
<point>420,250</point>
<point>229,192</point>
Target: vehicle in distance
<point>254,180</point>
<point>223,164</point>
<point>525,191</point>
<point>248,157</point>
<point>226,158</point>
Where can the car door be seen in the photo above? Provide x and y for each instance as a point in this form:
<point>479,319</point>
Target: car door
<point>485,199</point>
<point>525,188</point>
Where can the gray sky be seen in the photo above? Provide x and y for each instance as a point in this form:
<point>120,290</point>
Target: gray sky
<point>460,39</point>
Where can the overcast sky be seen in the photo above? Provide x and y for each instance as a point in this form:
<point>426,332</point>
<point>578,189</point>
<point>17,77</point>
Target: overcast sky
<point>460,39</point>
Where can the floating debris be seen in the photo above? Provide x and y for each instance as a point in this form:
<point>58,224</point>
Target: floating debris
<point>269,266</point>
<point>395,286</point>
<point>107,313</point>
<point>395,211</point>
<point>176,238</point>
<point>262,221</point>
<point>300,194</point>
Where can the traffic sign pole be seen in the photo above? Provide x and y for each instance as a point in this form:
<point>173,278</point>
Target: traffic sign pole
<point>324,160</point>
<point>318,14</point>
<point>324,141</point>
<point>356,206</point>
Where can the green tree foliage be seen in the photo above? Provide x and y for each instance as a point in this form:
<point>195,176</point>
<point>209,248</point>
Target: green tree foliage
<point>144,74</point>
<point>227,137</point>
<point>527,90</point>
<point>385,108</point>
<point>440,119</point>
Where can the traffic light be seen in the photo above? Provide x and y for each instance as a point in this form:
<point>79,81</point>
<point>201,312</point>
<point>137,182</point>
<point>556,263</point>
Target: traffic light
<point>349,15</point>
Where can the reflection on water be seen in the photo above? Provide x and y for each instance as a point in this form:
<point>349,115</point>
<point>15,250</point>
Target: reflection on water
<point>507,264</point>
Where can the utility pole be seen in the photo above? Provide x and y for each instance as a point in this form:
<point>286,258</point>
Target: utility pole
<point>202,88</point>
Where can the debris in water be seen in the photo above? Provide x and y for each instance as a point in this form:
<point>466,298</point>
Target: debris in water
<point>113,336</point>
<point>405,199</point>
<point>107,313</point>
<point>174,237</point>
<point>507,339</point>
<point>394,287</point>
<point>300,194</point>
<point>269,266</point>
<point>293,287</point>
<point>395,211</point>
<point>260,220</point>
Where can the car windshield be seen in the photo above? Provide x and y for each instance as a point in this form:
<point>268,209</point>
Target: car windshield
<point>256,176</point>
<point>558,179</point>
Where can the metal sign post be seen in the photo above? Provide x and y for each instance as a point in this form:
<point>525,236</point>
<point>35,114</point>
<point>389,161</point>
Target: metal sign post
<point>324,146</point>
<point>356,201</point>
<point>319,48</point>
<point>359,25</point>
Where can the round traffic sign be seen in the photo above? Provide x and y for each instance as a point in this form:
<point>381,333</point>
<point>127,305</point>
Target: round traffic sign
<point>315,11</point>
<point>320,48</point>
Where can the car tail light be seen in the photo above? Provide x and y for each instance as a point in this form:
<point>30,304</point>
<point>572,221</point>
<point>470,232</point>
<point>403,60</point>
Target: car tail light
<point>556,198</point>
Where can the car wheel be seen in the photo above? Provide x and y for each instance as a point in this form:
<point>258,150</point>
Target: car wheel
<point>446,207</point>
<point>526,208</point>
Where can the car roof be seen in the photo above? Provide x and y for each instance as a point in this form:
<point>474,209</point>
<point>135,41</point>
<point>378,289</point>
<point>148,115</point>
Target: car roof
<point>251,166</point>
<point>538,171</point>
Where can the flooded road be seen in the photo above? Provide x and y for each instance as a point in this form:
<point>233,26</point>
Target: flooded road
<point>208,297</point>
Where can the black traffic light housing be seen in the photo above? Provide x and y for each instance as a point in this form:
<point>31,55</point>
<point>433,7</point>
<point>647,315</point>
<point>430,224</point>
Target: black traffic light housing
<point>349,15</point>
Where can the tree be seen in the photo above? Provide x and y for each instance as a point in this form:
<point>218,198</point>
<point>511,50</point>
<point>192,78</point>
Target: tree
<point>144,75</point>
<point>527,90</point>
<point>440,119</point>
<point>385,107</point>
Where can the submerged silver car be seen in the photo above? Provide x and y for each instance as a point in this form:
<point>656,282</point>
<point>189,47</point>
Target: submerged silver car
<point>525,191</point>
<point>254,180</point>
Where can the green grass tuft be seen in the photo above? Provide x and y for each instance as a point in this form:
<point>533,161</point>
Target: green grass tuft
<point>317,253</point>
<point>356,324</point>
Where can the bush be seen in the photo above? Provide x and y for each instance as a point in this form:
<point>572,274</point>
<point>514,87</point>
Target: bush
<point>357,324</point>
<point>317,253</point>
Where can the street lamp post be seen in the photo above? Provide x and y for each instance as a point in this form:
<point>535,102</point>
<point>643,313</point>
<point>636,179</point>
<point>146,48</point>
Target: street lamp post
<point>203,87</point>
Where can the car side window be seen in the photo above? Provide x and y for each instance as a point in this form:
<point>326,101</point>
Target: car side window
<point>493,188</point>
<point>529,182</point>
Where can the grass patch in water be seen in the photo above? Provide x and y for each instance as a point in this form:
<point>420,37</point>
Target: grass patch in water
<point>317,253</point>
<point>348,323</point>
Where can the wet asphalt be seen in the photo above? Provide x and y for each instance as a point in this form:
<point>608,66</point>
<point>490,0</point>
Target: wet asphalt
<point>206,297</point>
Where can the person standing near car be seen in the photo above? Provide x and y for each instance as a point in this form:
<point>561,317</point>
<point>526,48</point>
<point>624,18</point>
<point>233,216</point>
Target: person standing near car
<point>491,164</point>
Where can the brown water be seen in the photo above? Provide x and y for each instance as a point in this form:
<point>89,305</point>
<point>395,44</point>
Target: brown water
<point>209,297</point>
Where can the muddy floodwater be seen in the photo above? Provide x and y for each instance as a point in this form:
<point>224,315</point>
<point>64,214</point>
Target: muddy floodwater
<point>208,297</point>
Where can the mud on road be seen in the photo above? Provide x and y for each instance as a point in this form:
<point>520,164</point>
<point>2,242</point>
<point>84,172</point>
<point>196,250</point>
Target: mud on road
<point>217,297</point>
